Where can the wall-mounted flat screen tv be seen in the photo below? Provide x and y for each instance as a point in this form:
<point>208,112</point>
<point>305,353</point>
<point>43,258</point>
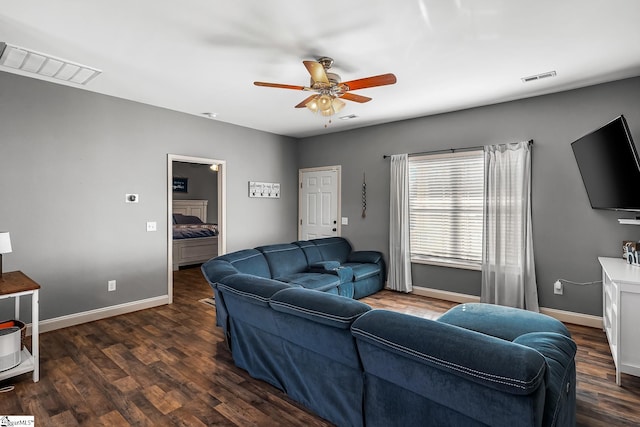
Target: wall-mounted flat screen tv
<point>609,165</point>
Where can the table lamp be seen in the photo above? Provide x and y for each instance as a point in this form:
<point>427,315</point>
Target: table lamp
<point>5,246</point>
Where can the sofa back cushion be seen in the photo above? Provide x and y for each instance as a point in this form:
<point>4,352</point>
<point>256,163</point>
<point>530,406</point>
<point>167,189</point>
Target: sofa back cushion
<point>333,248</point>
<point>455,351</point>
<point>248,261</point>
<point>319,322</point>
<point>310,250</point>
<point>284,259</point>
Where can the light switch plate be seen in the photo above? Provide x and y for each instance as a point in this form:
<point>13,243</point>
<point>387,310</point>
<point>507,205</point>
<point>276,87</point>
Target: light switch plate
<point>152,226</point>
<point>345,220</point>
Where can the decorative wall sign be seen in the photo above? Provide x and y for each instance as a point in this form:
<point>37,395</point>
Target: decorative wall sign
<point>269,190</point>
<point>180,185</point>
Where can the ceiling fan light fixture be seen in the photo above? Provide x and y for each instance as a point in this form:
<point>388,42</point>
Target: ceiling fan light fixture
<point>337,105</point>
<point>324,103</point>
<point>313,105</point>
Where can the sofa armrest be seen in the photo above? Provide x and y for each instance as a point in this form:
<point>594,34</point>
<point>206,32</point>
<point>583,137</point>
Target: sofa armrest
<point>365,256</point>
<point>559,351</point>
<point>215,270</point>
<point>333,267</point>
<point>491,362</point>
<point>323,266</point>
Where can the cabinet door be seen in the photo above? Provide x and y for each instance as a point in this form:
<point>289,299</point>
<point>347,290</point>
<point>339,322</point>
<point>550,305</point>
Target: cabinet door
<point>629,340</point>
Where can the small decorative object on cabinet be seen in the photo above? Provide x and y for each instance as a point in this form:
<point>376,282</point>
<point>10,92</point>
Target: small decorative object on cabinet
<point>14,285</point>
<point>620,315</point>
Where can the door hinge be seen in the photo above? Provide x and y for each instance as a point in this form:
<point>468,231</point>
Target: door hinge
<point>300,222</point>
<point>300,184</point>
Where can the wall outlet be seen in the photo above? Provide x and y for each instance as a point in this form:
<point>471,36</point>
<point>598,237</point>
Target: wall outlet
<point>557,287</point>
<point>111,285</point>
<point>152,226</point>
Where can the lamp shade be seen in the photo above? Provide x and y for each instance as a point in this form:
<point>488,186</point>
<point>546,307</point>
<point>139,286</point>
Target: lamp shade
<point>5,242</point>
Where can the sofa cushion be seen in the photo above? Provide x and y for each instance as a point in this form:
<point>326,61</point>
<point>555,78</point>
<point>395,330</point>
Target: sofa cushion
<point>248,261</point>
<point>488,361</point>
<point>256,290</point>
<point>333,248</point>
<point>315,281</point>
<point>310,250</point>
<point>284,259</point>
<point>328,309</point>
<point>362,271</point>
<point>502,322</point>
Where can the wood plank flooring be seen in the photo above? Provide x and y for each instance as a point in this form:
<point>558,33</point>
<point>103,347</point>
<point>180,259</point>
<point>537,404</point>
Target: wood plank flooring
<point>169,366</point>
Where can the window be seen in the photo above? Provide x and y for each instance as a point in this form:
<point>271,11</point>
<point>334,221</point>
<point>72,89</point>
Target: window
<point>446,200</point>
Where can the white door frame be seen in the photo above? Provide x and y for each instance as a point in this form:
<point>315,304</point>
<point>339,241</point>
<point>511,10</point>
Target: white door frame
<point>222,209</point>
<point>338,169</point>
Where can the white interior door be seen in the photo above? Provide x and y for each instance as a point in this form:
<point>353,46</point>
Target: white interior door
<point>319,203</point>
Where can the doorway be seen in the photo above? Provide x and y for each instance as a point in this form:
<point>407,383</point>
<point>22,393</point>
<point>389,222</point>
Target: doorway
<point>221,207</point>
<point>319,202</point>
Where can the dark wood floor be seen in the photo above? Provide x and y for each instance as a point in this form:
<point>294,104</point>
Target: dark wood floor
<point>169,366</point>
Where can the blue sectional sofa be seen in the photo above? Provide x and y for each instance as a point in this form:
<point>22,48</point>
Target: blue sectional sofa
<point>478,365</point>
<point>329,265</point>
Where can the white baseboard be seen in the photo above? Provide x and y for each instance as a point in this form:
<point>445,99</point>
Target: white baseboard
<point>573,317</point>
<point>562,315</point>
<point>98,314</point>
<point>444,295</point>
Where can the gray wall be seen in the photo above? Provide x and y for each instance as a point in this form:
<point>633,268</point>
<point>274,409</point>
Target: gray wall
<point>568,234</point>
<point>202,185</point>
<point>67,158</point>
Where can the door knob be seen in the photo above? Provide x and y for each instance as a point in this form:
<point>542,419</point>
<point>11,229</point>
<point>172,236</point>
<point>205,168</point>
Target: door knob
<point>335,229</point>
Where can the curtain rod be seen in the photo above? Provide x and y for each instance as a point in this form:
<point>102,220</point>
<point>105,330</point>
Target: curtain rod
<point>450,150</point>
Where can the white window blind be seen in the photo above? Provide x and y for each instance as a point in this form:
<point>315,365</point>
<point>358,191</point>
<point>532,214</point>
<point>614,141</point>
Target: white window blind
<point>446,199</point>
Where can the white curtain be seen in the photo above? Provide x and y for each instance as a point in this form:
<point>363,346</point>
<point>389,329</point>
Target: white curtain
<point>508,269</point>
<point>399,278</point>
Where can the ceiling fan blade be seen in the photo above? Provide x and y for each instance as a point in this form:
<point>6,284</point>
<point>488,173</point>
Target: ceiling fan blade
<point>305,102</point>
<point>381,80</point>
<point>355,98</point>
<point>281,86</point>
<point>317,72</point>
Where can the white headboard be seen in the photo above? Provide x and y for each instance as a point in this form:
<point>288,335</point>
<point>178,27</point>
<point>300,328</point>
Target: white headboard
<point>191,207</point>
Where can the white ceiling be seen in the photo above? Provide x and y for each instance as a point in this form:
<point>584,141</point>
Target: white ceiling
<point>198,56</point>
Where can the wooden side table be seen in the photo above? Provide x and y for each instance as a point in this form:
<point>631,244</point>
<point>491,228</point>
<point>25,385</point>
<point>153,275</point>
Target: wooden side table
<point>14,285</point>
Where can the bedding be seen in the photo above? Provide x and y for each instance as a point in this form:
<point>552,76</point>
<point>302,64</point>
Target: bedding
<point>194,240</point>
<point>189,227</point>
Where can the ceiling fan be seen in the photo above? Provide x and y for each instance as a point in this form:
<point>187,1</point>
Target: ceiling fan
<point>329,89</point>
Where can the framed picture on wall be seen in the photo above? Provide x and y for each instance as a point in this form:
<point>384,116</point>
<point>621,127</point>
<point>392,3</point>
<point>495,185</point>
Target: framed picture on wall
<point>180,185</point>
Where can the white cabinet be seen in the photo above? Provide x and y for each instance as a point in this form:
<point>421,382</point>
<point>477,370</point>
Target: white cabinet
<point>621,313</point>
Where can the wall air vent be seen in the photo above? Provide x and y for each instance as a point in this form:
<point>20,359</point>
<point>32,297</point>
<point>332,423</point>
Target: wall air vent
<point>539,77</point>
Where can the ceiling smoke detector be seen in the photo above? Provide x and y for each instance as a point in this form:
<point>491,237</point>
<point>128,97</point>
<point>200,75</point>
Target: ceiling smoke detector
<point>539,77</point>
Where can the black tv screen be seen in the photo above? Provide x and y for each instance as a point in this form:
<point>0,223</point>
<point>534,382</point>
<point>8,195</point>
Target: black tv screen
<point>608,162</point>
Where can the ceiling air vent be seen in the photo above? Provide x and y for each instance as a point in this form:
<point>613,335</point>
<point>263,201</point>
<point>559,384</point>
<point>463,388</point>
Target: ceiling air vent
<point>539,76</point>
<point>349,117</point>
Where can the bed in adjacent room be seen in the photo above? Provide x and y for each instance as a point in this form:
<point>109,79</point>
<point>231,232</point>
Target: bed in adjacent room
<point>194,240</point>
